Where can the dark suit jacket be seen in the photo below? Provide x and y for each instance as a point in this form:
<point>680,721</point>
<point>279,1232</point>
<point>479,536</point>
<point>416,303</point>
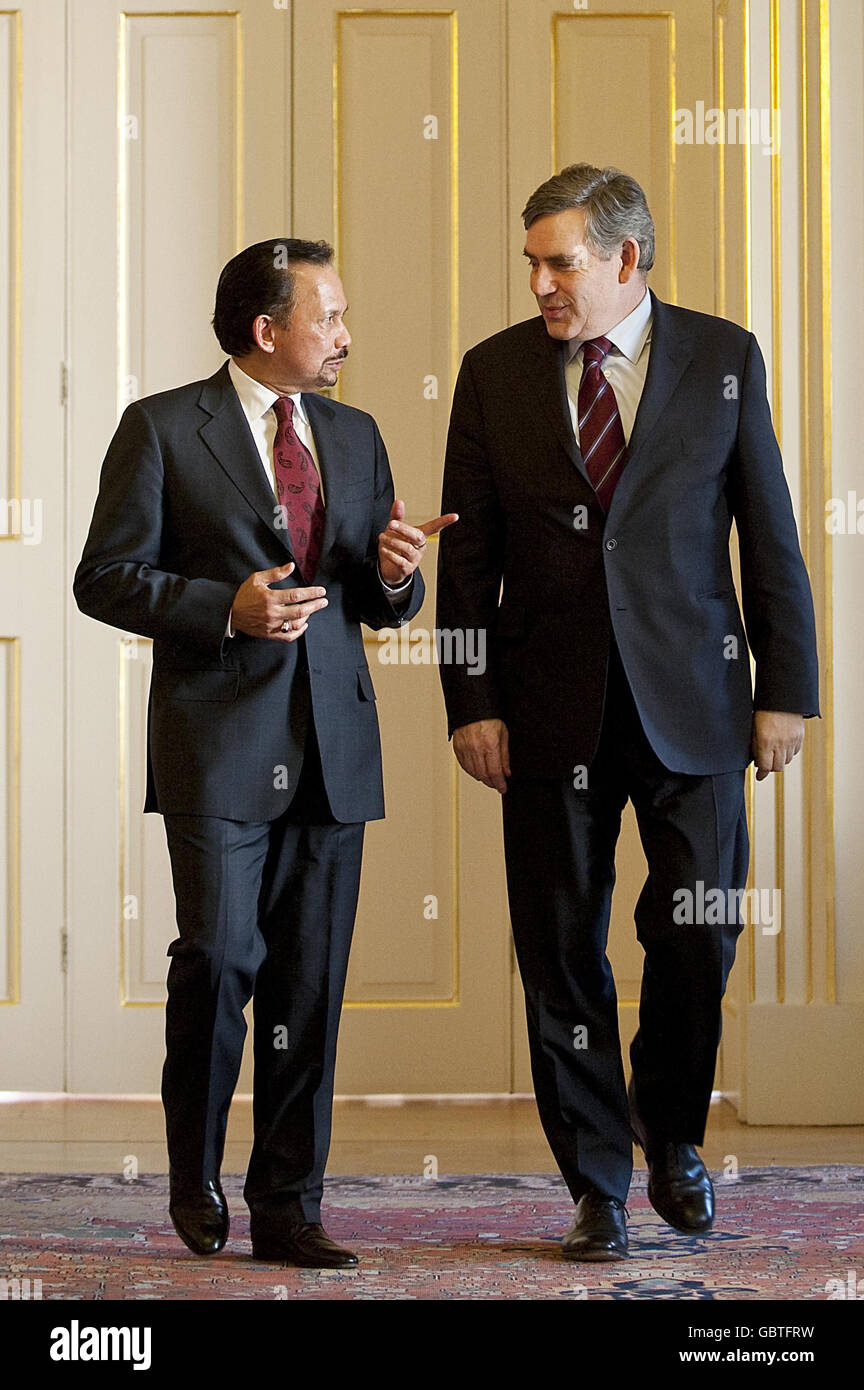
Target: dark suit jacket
<point>656,571</point>
<point>184,515</point>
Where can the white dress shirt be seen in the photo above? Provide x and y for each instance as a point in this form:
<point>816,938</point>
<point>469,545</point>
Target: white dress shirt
<point>624,368</point>
<point>257,400</point>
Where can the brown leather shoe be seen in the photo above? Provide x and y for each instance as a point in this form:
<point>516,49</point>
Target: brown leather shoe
<point>306,1244</point>
<point>599,1230</point>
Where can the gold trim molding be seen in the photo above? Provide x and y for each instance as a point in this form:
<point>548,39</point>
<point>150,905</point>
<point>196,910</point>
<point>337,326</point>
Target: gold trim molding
<point>13,844</point>
<point>452,16</point>
<point>16,250</point>
<point>123,173</point>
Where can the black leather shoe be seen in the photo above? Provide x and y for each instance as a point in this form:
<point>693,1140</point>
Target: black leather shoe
<point>599,1230</point>
<point>200,1217</point>
<point>306,1244</point>
<point>679,1188</point>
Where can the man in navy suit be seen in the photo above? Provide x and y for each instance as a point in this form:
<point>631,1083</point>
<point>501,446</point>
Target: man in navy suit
<point>248,525</point>
<point>597,457</point>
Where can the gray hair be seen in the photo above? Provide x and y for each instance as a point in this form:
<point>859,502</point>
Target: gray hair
<point>614,203</point>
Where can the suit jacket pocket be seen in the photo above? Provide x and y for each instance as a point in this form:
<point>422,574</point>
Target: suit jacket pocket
<point>727,592</point>
<point>214,685</point>
<point>365,688</point>
<point>702,443</point>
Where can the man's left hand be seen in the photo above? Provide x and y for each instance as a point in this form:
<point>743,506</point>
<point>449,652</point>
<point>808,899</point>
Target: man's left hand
<point>775,740</point>
<point>400,547</point>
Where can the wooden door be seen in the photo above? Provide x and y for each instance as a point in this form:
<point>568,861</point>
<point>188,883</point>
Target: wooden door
<point>182,150</point>
<point>601,84</point>
<point>399,159</point>
<point>33,595</point>
<point>179,155</point>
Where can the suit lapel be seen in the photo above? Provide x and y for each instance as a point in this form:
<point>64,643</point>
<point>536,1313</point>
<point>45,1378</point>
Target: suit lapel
<point>228,437</point>
<point>668,360</point>
<point>547,390</point>
<point>669,356</point>
<point>334,461</point>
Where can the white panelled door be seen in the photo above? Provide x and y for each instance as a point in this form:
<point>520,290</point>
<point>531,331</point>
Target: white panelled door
<point>401,163</point>
<point>33,593</point>
<point>179,155</point>
<point>181,152</point>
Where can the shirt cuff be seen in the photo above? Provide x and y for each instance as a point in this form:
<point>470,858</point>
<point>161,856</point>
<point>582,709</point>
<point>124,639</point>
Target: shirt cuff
<point>395,588</point>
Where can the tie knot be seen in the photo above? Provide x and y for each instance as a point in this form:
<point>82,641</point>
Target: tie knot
<point>284,409</point>
<point>594,350</point>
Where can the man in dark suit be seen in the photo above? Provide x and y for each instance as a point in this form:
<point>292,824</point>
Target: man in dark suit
<point>597,456</point>
<point>248,525</point>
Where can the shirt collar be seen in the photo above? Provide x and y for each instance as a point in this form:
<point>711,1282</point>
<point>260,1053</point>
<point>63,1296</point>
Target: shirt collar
<point>628,336</point>
<point>256,398</point>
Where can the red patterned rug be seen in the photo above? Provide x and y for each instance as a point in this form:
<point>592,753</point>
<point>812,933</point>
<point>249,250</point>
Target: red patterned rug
<point>780,1233</point>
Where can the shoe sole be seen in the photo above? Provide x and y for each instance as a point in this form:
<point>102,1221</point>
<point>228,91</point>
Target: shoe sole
<point>196,1250</point>
<point>595,1256</point>
<point>279,1257</point>
<point>684,1230</point>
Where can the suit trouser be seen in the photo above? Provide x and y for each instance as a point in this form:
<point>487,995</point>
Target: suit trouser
<point>560,851</point>
<point>264,910</point>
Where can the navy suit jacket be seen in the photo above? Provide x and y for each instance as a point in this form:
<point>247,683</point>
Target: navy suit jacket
<point>184,515</point>
<point>656,571</point>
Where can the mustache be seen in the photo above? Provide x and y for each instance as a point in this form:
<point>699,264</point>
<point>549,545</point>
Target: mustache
<point>340,356</point>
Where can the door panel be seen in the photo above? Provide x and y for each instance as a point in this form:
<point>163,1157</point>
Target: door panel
<point>179,154</point>
<point>32,544</point>
<point>202,163</point>
<point>600,85</point>
<point>408,182</point>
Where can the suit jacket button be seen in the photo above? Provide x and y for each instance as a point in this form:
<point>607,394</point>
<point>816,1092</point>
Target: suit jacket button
<point>610,545</point>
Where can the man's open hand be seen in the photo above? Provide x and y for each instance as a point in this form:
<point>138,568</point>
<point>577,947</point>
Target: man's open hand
<point>482,750</point>
<point>400,547</point>
<point>260,611</point>
<point>776,739</point>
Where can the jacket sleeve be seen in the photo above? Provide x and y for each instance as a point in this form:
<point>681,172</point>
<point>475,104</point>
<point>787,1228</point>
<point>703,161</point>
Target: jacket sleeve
<point>378,607</point>
<point>119,579</point>
<point>470,558</point>
<point>775,589</point>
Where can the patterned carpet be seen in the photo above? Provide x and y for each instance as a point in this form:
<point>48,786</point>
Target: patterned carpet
<point>781,1233</point>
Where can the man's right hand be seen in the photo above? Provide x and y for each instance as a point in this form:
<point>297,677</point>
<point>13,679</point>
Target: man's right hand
<point>482,750</point>
<point>260,611</point>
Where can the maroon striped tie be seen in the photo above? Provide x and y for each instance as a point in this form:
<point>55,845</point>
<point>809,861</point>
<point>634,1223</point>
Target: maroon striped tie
<point>298,488</point>
<point>601,434</point>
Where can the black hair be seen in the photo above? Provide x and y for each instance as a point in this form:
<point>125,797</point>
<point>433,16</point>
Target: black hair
<point>259,280</point>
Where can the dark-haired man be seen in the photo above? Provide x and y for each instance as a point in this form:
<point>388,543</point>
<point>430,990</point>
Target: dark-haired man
<point>597,456</point>
<point>248,525</point>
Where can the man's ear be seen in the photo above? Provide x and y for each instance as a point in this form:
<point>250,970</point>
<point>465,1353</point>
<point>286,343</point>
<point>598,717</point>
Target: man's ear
<point>629,259</point>
<point>262,332</point>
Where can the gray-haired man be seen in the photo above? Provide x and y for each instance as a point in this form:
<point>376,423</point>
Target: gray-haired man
<point>597,457</point>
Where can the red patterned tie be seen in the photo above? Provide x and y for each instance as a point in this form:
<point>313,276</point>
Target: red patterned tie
<point>601,434</point>
<point>298,488</point>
